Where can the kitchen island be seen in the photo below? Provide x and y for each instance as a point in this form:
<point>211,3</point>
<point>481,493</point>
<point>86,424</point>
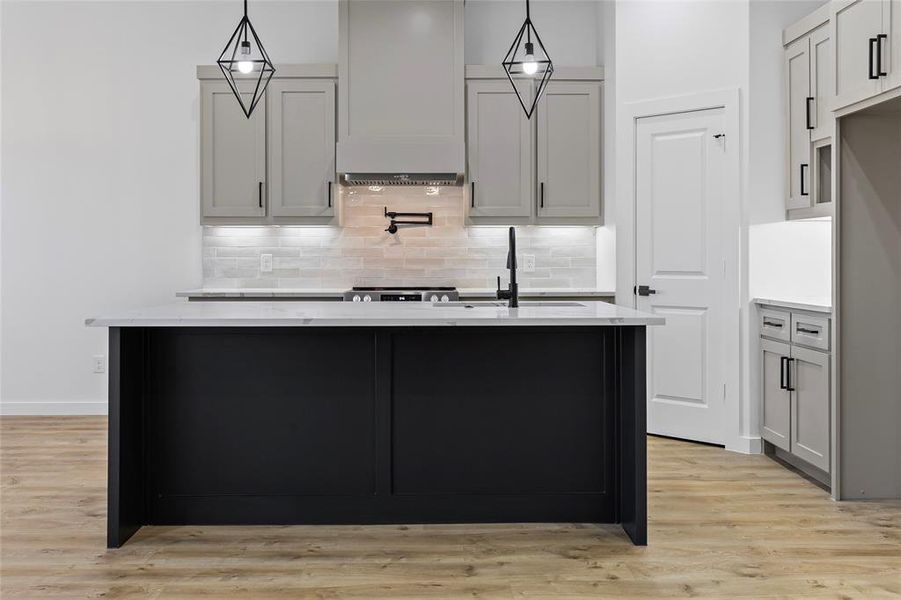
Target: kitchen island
<point>325,412</point>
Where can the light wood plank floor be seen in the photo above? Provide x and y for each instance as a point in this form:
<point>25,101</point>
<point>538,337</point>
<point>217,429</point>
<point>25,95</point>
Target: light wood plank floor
<point>722,525</point>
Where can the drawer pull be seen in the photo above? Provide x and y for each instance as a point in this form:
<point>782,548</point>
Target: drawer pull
<point>776,324</point>
<point>807,330</point>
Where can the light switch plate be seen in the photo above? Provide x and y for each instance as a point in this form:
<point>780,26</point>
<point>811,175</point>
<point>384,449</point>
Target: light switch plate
<point>99,363</point>
<point>528,263</point>
<point>266,263</point>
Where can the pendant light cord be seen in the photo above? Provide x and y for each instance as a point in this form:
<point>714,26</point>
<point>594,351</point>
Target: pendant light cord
<point>245,19</point>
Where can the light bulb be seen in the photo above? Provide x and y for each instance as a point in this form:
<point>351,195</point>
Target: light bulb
<point>529,66</point>
<point>245,65</point>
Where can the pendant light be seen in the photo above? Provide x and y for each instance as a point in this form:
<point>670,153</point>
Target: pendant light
<point>527,59</point>
<point>244,59</point>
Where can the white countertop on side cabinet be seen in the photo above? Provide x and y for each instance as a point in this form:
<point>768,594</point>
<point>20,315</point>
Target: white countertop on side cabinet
<point>820,305</point>
<point>375,314</point>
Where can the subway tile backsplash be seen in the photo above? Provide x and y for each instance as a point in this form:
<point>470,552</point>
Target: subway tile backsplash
<point>361,252</point>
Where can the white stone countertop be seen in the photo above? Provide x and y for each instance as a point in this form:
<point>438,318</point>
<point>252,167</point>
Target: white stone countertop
<point>339,293</point>
<point>376,314</point>
<point>821,305</point>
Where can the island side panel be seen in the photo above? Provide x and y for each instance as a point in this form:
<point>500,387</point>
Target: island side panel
<point>126,511</point>
<point>632,430</point>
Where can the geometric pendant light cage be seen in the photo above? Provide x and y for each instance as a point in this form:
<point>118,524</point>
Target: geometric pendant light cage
<point>244,59</point>
<point>527,59</point>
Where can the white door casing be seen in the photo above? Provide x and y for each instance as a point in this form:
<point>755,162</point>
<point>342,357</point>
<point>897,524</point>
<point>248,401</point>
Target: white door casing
<point>679,192</point>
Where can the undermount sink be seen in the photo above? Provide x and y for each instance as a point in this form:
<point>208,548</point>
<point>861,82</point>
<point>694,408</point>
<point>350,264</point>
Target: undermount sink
<point>503,304</point>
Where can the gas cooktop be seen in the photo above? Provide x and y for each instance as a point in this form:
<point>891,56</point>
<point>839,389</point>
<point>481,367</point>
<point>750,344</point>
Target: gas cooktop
<point>401,294</point>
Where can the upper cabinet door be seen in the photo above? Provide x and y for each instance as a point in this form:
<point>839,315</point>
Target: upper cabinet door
<point>569,150</point>
<point>302,148</point>
<point>821,84</point>
<point>499,151</point>
<point>233,157</point>
<point>800,112</point>
<point>891,45</point>
<point>855,26</point>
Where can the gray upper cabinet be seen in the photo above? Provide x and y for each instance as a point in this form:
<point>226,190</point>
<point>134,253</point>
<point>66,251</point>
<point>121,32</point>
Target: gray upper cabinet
<point>546,170</point>
<point>233,156</point>
<point>278,167</point>
<point>569,150</point>
<point>301,148</point>
<point>499,151</point>
<point>854,24</point>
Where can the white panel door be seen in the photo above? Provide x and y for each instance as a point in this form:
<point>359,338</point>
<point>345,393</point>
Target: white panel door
<point>233,154</point>
<point>569,150</point>
<point>302,148</point>
<point>679,209</point>
<point>810,414</point>
<point>854,24</point>
<point>776,418</point>
<point>800,108</point>
<point>498,150</point>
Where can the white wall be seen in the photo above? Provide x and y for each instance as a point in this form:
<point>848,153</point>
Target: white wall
<point>99,173</point>
<point>568,29</point>
<point>792,260</point>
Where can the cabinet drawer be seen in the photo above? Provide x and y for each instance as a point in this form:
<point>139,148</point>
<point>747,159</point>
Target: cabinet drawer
<point>774,324</point>
<point>810,330</point>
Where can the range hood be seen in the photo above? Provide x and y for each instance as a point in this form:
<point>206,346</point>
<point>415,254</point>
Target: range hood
<point>400,92</point>
<point>435,179</point>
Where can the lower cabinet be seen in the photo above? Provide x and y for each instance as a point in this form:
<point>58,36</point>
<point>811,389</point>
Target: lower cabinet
<point>796,394</point>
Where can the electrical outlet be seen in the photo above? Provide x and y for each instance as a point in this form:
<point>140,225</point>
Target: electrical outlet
<point>266,263</point>
<point>99,363</point>
<point>528,263</point>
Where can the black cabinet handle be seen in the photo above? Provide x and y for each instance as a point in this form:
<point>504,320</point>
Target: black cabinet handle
<point>329,194</point>
<point>788,374</point>
<point>260,193</point>
<point>782,384</point>
<point>472,194</point>
<point>541,195</point>
<point>808,331</point>
<point>775,324</point>
<point>871,74</point>
<point>804,168</point>
<point>809,100</point>
<point>879,71</point>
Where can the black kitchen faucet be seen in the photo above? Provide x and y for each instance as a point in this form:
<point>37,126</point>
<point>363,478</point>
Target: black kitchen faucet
<point>511,294</point>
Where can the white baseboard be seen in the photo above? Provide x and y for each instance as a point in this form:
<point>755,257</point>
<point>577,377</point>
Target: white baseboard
<point>52,407</point>
<point>746,445</point>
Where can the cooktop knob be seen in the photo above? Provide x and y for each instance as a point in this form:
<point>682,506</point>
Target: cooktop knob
<point>444,298</point>
<point>434,298</point>
<point>356,297</point>
<point>367,298</point>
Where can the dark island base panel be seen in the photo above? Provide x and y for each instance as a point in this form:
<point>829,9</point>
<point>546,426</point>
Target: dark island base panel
<point>295,425</point>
